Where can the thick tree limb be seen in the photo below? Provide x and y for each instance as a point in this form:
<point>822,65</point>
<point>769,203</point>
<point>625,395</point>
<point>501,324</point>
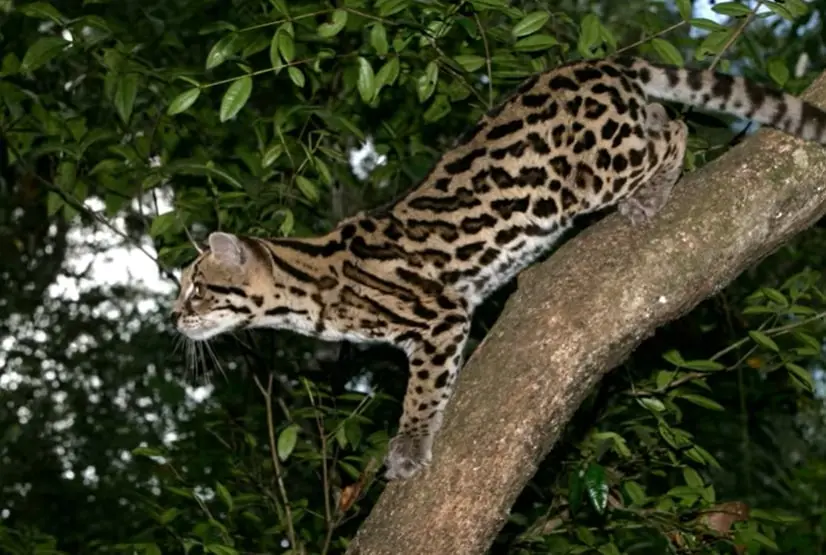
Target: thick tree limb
<point>577,316</point>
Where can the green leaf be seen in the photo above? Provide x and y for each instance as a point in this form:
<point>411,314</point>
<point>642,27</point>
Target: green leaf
<point>703,365</point>
<point>275,57</point>
<point>183,101</point>
<point>439,108</point>
<point>106,166</point>
<point>764,340</point>
<point>147,452</point>
<point>388,73</point>
<point>469,62</point>
<point>10,64</point>
<point>218,549</point>
<point>66,175</point>
<point>807,339</point>
<point>798,8</point>
<point>754,309</point>
<point>664,378</point>
<point>41,10</point>
<point>693,478</point>
<point>222,50</point>
<point>150,549</point>
<point>54,203</point>
<point>597,487</point>
<point>307,188</point>
<point>667,52</point>
<point>586,536</point>
<point>685,8</point>
<point>162,223</point>
<point>224,494</point>
<point>704,456</point>
<point>338,21</point>
<point>617,442</point>
<point>576,488</point>
<point>652,404</point>
<point>674,357</point>
<point>735,9</point>
<point>774,516</point>
<point>534,43</point>
<point>296,76</point>
<point>704,402</point>
<point>801,375</point>
<point>769,292</point>
<point>353,431</point>
<point>426,83</point>
<point>764,540</point>
<point>323,171</point>
<point>366,81</point>
<point>706,24</point>
<point>286,441</point>
<point>341,437</point>
<point>125,93</point>
<point>779,8</point>
<point>180,491</point>
<point>271,155</point>
<point>714,42</point>
<point>609,549</point>
<point>41,52</point>
<point>236,96</point>
<point>280,6</point>
<point>390,7</point>
<point>590,32</point>
<point>168,515</point>
<point>288,223</point>
<point>256,45</point>
<point>489,4</point>
<point>684,492</point>
<point>378,39</point>
<point>779,72</point>
<point>635,492</point>
<point>530,24</point>
<point>286,45</point>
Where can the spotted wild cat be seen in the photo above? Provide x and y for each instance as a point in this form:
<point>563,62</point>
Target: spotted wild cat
<point>575,139</point>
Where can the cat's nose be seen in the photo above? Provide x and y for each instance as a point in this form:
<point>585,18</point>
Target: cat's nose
<point>175,316</point>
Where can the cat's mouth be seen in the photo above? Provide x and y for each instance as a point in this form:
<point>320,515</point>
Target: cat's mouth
<point>200,333</point>
<point>202,330</point>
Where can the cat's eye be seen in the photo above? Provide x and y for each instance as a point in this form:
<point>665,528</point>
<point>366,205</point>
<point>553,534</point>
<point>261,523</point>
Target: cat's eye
<point>198,290</point>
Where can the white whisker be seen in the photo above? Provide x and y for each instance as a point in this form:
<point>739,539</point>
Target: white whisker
<point>214,358</point>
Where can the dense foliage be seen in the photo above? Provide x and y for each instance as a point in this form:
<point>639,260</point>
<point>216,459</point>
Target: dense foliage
<point>126,126</point>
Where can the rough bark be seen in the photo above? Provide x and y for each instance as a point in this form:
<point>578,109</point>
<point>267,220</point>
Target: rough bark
<point>580,314</point>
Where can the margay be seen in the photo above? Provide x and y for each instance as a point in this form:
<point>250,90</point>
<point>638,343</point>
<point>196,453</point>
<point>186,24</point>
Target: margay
<point>579,138</point>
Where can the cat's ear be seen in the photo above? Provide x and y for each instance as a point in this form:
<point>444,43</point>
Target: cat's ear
<point>228,249</point>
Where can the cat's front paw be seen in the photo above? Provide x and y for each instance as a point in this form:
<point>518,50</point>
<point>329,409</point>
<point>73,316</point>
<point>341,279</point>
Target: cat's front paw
<point>406,455</point>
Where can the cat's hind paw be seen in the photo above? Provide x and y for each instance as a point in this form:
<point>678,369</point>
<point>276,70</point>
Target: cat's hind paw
<point>407,455</point>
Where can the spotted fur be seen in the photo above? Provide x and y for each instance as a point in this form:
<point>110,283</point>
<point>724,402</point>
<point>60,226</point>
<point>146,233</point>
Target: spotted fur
<point>573,140</point>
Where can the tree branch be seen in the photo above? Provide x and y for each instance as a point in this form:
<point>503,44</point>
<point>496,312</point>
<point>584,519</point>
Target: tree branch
<point>578,315</point>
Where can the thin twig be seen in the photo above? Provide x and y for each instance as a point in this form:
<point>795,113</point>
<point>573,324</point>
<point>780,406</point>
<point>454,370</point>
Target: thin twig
<point>655,35</point>
<point>270,70</point>
<point>487,58</point>
<point>734,35</point>
<point>285,20</point>
<point>325,478</point>
<point>279,476</point>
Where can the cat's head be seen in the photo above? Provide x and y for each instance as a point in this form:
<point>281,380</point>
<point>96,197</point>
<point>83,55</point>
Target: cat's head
<point>218,290</point>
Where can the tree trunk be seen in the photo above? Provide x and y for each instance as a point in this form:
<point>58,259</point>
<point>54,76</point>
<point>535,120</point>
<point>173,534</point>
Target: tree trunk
<point>578,315</point>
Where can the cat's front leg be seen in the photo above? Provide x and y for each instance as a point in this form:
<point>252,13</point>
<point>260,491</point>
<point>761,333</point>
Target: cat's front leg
<point>435,360</point>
